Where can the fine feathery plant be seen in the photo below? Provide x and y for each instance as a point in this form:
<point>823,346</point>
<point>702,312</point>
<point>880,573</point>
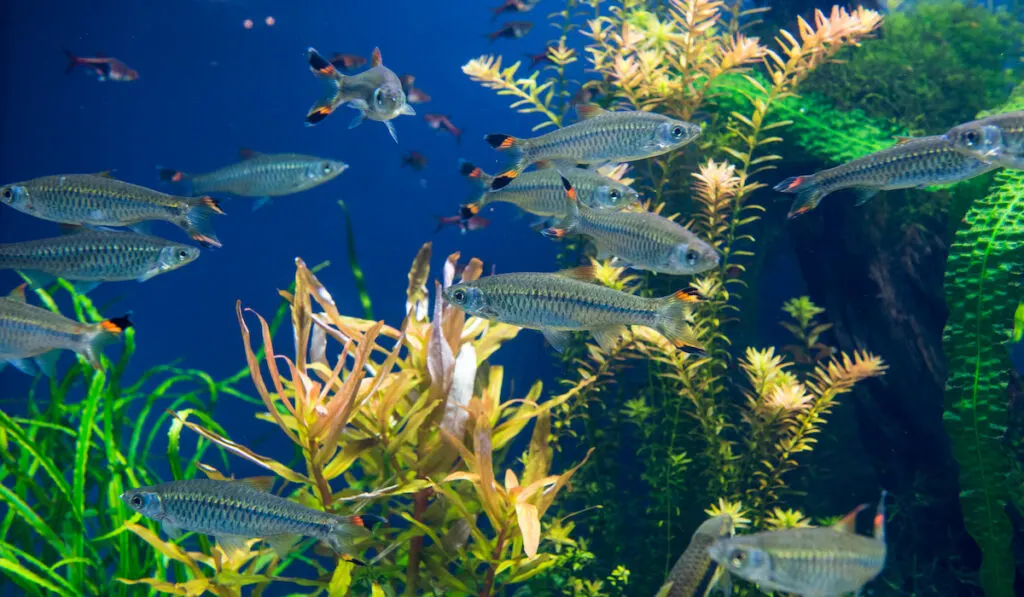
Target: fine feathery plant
<point>982,270</point>
<point>412,419</point>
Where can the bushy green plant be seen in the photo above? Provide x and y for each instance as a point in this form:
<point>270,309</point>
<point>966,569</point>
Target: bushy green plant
<point>935,65</point>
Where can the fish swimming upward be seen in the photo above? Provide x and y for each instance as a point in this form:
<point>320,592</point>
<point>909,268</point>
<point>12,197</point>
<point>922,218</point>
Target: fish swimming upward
<point>236,511</point>
<point>261,175</point>
<point>997,140</point>
<point>695,574</point>
<point>642,240</point>
<point>559,303</point>
<point>599,137</point>
<point>99,200</point>
<point>94,256</point>
<point>920,162</point>
<point>540,192</point>
<point>376,93</point>
<point>105,69</point>
<point>811,562</point>
<point>31,337</point>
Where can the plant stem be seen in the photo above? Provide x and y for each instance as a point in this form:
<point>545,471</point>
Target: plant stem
<point>498,548</point>
<point>412,572</point>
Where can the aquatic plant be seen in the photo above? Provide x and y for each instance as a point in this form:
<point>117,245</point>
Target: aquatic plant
<point>982,269</point>
<point>412,419</point>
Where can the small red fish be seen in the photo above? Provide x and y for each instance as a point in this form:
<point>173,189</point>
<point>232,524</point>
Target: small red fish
<point>512,30</point>
<point>347,62</point>
<point>412,94</point>
<point>415,159</point>
<point>441,122</point>
<point>513,6</point>
<point>465,224</point>
<point>407,81</point>
<point>536,59</point>
<point>106,69</point>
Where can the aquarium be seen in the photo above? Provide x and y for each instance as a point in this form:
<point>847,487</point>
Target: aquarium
<point>512,298</point>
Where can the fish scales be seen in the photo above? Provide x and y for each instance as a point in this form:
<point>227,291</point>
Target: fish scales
<point>598,138</point>
<point>263,175</point>
<point>695,573</point>
<point>27,330</point>
<point>541,193</point>
<point>924,161</point>
<point>78,198</point>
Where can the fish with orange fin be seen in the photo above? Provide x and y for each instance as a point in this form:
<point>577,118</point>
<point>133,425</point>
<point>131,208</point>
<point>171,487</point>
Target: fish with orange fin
<point>559,303</point>
<point>31,337</point>
<point>465,221</point>
<point>105,69</point>
<point>809,561</point>
<point>540,58</point>
<point>413,95</point>
<point>375,93</point>
<point>347,62</point>
<point>414,159</point>
<point>440,122</point>
<point>600,136</point>
<point>511,30</point>
<point>513,6</point>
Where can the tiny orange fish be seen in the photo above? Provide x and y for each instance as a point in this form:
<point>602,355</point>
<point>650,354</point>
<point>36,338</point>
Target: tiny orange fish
<point>441,122</point>
<point>347,62</point>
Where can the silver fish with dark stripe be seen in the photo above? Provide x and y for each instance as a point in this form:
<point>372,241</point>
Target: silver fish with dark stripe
<point>920,162</point>
<point>30,333</point>
<point>557,304</point>
<point>643,240</point>
<point>261,175</point>
<point>998,139</point>
<point>98,256</point>
<point>98,200</point>
<point>812,562</point>
<point>236,511</point>
<point>695,574</point>
<point>600,136</point>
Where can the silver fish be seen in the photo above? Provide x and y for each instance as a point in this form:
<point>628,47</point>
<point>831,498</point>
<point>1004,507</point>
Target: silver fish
<point>29,333</point>
<point>98,256</point>
<point>920,162</point>
<point>376,93</point>
<point>643,240</point>
<point>998,139</point>
<point>261,175</point>
<point>235,511</point>
<point>812,562</point>
<point>599,137</point>
<point>695,574</point>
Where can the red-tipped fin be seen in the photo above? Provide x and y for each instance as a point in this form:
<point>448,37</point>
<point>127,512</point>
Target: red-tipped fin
<point>687,295</point>
<point>570,192</point>
<point>117,325</point>
<point>263,483</point>
<point>375,58</point>
<point>901,139</point>
<point>18,294</point>
<point>499,141</point>
<point>211,204</point>
<point>320,66</point>
<point>504,179</point>
<point>584,273</point>
<point>879,521</point>
<point>105,174</point>
<point>848,523</point>
<point>588,111</point>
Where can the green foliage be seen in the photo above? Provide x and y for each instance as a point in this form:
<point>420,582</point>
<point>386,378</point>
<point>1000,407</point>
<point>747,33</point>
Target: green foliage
<point>835,135</point>
<point>933,66</point>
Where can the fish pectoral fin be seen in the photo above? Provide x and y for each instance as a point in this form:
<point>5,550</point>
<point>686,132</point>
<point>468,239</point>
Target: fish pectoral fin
<point>558,339</point>
<point>36,278</point>
<point>357,119</point>
<point>864,194</point>
<point>282,545</point>
<point>391,129</point>
<point>358,104</point>
<point>232,545</point>
<point>407,110</point>
<point>83,287</point>
<point>149,274</point>
<point>26,366</point>
<point>608,337</point>
<point>259,202</point>
<point>170,530</point>
<point>725,583</point>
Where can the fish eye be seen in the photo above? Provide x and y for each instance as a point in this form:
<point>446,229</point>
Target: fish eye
<point>378,96</point>
<point>615,195</point>
<point>677,131</point>
<point>459,295</point>
<point>7,193</point>
<point>182,254</point>
<point>136,501</point>
<point>327,168</point>
<point>692,257</point>
<point>971,137</point>
<point>738,558</point>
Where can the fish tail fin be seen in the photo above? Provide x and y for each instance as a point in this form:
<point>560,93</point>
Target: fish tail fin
<point>672,321</point>
<point>346,531</point>
<point>323,69</point>
<point>104,333</point>
<point>475,173</point>
<point>808,193</point>
<point>572,215</point>
<point>519,148</point>
<point>73,61</point>
<point>441,223</point>
<point>197,220</point>
<point>176,177</point>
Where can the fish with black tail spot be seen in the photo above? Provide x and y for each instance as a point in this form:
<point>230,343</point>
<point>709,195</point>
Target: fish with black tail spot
<point>375,93</point>
<point>559,303</point>
<point>599,137</point>
<point>99,200</point>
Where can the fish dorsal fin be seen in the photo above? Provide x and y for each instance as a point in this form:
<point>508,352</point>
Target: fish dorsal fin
<point>247,154</point>
<point>879,521</point>
<point>375,59</point>
<point>18,294</point>
<point>584,273</point>
<point>105,174</point>
<point>588,111</point>
<point>848,523</point>
<point>542,165</point>
<point>901,139</point>
<point>265,483</point>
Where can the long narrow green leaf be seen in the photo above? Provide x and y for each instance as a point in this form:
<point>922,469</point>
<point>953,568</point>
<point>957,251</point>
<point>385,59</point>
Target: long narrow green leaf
<point>353,261</point>
<point>17,571</point>
<point>26,444</point>
<point>31,518</point>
